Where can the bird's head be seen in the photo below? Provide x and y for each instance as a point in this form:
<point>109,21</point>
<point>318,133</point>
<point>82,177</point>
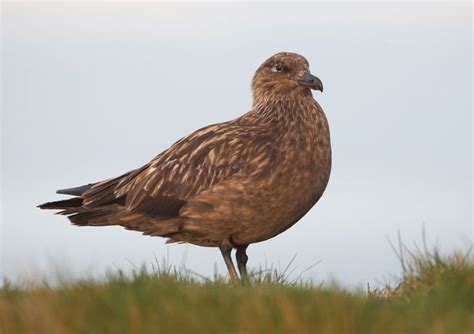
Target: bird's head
<point>284,75</point>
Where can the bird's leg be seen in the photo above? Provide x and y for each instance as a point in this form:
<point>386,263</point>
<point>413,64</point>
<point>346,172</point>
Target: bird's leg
<point>225,250</point>
<point>242,259</point>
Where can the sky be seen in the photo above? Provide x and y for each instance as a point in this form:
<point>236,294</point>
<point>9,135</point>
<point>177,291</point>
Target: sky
<point>92,90</point>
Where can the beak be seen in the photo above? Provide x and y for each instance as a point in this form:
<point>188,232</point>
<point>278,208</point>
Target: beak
<point>309,80</point>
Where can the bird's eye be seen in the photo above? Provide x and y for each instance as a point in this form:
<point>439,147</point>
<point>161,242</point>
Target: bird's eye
<point>277,68</point>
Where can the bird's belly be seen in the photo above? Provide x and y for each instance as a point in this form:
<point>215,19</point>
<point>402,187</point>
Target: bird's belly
<point>287,201</point>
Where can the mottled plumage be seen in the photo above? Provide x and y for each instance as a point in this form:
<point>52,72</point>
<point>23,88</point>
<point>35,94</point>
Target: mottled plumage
<point>230,184</point>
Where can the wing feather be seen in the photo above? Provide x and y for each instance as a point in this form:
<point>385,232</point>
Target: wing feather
<point>192,165</point>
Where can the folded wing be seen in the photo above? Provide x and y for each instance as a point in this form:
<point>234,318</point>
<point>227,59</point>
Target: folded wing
<point>149,198</point>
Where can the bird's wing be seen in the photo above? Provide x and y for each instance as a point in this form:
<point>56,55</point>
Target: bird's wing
<point>193,164</point>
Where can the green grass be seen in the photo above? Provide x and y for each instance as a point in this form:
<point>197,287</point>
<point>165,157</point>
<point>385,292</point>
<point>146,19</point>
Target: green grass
<point>435,295</point>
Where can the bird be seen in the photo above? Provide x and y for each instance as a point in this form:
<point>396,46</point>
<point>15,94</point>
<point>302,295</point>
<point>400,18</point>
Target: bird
<point>226,185</point>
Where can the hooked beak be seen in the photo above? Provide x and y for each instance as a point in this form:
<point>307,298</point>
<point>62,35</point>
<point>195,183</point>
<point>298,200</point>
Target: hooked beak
<point>309,80</point>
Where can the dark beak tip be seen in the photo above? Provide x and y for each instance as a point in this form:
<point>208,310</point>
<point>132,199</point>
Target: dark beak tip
<point>311,81</point>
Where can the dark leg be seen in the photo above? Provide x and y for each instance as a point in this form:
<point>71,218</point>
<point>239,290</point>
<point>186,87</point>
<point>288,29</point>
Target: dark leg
<point>242,259</point>
<point>225,250</point>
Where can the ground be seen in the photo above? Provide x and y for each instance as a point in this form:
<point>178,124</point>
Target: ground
<point>435,295</point>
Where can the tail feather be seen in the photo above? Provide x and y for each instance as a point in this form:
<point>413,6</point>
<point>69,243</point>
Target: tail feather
<point>103,204</point>
<point>76,191</point>
<point>74,202</point>
<point>114,214</point>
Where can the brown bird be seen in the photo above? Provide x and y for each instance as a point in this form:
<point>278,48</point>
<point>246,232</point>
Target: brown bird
<point>226,185</point>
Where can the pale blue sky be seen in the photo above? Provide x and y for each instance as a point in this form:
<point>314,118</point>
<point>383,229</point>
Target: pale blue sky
<point>92,90</point>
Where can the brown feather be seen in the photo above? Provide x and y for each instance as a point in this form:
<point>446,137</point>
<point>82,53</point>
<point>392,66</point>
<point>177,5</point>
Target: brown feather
<point>67,203</point>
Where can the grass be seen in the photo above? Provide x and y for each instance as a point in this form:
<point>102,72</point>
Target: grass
<point>434,295</point>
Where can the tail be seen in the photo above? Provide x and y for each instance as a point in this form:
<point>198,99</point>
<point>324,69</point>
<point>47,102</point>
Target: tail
<point>107,213</point>
<point>79,215</point>
<point>74,202</point>
<point>97,204</point>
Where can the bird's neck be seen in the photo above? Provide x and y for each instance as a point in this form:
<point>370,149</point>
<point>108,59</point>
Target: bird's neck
<point>285,108</point>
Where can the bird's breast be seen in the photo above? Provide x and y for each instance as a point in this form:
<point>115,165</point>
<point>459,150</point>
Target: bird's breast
<point>305,157</point>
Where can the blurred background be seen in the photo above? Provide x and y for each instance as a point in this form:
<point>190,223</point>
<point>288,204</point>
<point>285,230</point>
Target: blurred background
<point>91,90</point>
